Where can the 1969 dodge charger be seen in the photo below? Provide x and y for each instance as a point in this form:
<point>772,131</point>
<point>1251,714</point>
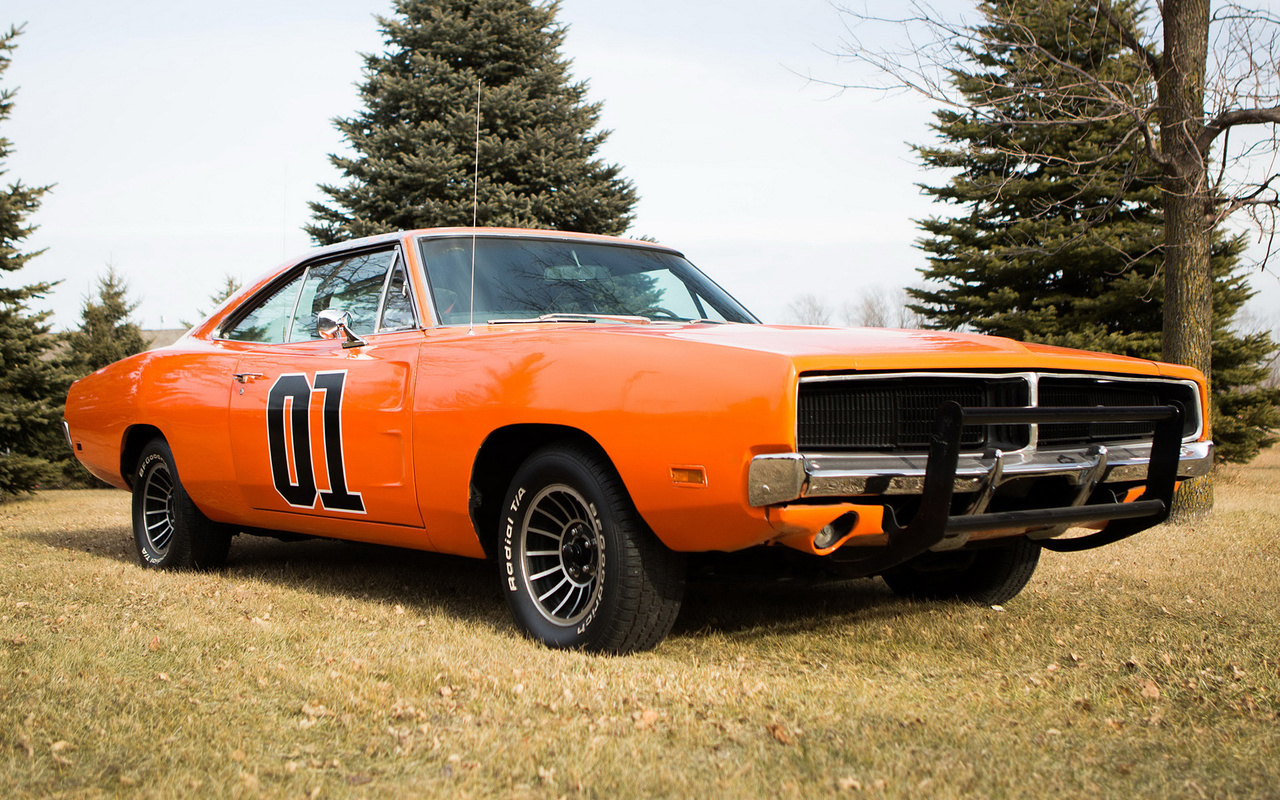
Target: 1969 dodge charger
<point>589,411</point>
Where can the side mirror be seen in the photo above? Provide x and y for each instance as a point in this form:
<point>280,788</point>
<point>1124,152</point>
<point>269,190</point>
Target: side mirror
<point>332,323</point>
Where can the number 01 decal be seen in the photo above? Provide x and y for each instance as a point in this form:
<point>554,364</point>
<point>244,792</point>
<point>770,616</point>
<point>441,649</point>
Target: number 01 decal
<point>289,442</point>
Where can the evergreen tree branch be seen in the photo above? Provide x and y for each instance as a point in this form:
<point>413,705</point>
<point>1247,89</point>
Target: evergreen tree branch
<point>1129,37</point>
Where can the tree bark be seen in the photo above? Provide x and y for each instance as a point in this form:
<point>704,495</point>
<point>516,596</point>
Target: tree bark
<point>1188,221</point>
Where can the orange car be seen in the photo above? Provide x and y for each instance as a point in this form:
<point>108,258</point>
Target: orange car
<point>587,411</point>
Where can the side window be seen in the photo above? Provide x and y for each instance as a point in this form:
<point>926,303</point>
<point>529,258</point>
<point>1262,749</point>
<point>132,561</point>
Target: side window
<point>269,321</point>
<point>352,284</point>
<point>397,308</point>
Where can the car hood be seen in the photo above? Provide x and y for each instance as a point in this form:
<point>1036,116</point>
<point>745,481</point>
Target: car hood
<point>832,349</point>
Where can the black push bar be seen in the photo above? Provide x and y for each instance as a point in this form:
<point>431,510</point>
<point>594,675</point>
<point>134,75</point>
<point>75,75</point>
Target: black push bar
<point>933,521</point>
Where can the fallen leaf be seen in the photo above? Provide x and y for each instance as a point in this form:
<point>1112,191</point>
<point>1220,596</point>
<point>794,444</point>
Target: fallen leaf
<point>1150,690</point>
<point>446,691</point>
<point>316,710</point>
<point>850,784</point>
<point>780,733</point>
<point>644,719</point>
<point>997,608</point>
<point>546,775</point>
<point>154,644</point>
<point>58,748</point>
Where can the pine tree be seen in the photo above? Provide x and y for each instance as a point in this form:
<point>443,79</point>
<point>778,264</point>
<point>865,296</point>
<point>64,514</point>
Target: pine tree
<point>106,332</point>
<point>1050,252</point>
<point>415,138</point>
<point>230,285</point>
<point>33,377</point>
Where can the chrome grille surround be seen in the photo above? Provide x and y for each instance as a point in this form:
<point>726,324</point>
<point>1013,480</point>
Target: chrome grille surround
<point>784,477</point>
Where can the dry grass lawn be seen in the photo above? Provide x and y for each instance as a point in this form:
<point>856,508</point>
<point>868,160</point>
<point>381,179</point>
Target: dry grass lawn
<point>1150,668</point>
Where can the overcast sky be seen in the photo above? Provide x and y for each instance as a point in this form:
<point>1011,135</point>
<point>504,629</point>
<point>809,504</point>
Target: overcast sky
<point>186,139</point>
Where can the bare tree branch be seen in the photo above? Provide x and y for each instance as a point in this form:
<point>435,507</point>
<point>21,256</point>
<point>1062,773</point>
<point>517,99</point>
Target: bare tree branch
<point>1241,116</point>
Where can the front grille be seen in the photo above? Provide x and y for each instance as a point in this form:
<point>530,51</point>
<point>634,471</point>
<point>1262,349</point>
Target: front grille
<point>1083,391</point>
<point>896,414</point>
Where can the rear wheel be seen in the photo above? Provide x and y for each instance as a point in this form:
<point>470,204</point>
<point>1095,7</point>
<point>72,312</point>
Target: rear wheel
<point>987,576</point>
<point>168,529</point>
<point>580,567</point>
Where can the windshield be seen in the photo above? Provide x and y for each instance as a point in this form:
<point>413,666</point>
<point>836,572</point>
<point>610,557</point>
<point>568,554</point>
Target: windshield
<point>527,278</point>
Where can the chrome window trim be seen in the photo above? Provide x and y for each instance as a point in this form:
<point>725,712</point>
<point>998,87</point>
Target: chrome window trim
<point>303,269</point>
<point>464,233</point>
<point>397,261</point>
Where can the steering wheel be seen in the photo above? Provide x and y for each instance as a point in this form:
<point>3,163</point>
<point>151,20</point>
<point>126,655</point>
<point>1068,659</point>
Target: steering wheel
<point>661,311</point>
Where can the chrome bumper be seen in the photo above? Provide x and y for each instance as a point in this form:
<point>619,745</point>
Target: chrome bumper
<point>784,477</point>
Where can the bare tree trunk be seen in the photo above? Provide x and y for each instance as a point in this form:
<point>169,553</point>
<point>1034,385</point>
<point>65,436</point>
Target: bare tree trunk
<point>1188,223</point>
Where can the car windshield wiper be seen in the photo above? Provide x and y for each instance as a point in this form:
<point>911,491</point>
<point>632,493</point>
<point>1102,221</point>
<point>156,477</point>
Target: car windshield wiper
<point>573,318</point>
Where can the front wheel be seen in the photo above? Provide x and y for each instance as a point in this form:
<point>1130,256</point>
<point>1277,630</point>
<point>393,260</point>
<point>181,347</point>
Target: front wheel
<point>580,567</point>
<point>988,576</point>
<point>168,529</point>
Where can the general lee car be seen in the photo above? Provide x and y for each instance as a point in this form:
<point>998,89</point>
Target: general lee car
<point>588,411</point>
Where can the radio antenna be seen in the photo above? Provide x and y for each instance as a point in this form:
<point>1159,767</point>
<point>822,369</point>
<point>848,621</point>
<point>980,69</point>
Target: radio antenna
<point>475,213</point>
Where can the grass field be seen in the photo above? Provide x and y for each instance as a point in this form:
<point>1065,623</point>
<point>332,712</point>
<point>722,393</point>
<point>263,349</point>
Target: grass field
<point>1150,668</point>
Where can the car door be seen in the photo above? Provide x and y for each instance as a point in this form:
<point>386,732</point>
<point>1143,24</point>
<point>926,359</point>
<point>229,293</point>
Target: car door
<point>323,427</point>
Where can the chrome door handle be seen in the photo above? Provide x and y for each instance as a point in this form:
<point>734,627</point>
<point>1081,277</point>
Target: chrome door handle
<point>245,377</point>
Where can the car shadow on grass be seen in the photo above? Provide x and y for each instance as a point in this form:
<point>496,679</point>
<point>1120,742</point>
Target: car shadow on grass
<point>467,589</point>
<point>426,583</point>
<point>768,607</point>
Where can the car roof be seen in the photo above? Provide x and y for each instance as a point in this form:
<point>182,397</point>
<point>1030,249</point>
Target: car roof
<point>349,244</point>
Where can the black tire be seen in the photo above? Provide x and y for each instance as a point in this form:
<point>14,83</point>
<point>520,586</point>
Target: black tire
<point>987,576</point>
<point>579,567</point>
<point>168,530</point>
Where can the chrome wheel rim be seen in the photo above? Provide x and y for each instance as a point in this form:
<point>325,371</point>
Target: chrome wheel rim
<point>562,554</point>
<point>158,500</point>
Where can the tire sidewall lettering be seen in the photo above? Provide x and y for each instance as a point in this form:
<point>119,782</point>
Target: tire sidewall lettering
<point>601,570</point>
<point>144,466</point>
<point>147,462</point>
<point>513,568</point>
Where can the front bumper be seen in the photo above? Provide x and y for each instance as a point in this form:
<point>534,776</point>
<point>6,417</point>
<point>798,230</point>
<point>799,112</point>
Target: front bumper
<point>933,526</point>
<point>786,477</point>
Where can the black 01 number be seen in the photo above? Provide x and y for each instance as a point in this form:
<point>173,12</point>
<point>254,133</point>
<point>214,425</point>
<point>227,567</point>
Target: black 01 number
<point>289,442</point>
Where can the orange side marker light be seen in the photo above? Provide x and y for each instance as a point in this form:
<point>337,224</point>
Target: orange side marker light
<point>690,477</point>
